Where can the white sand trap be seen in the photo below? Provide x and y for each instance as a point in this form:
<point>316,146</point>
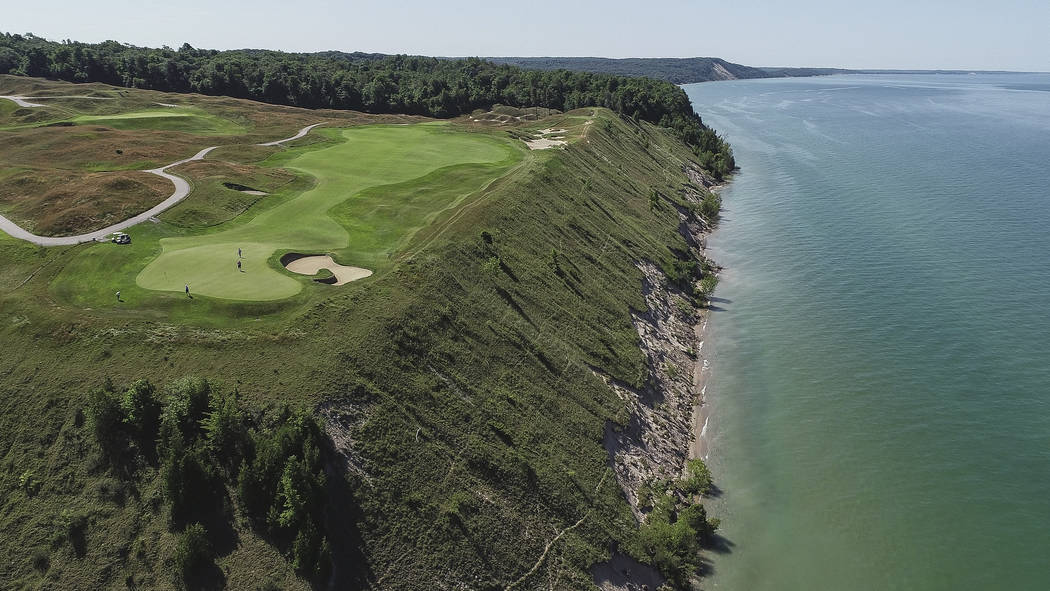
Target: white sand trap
<point>311,265</point>
<point>543,142</point>
<point>254,192</point>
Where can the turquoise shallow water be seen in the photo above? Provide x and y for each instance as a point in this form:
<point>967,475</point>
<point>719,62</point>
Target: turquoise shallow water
<point>880,394</point>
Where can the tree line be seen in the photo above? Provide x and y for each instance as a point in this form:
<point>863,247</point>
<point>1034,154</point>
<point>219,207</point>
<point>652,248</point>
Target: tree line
<point>372,83</point>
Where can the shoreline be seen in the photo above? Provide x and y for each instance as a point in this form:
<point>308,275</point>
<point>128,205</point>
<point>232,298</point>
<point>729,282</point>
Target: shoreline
<point>699,444</point>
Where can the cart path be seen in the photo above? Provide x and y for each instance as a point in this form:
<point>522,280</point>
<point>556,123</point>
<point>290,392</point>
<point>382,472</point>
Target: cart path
<point>301,133</point>
<point>23,101</point>
<point>182,189</point>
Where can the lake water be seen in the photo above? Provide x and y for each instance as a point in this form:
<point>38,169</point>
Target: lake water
<point>880,394</point>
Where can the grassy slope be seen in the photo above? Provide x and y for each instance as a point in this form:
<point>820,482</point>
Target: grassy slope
<point>466,386</point>
<point>168,119</point>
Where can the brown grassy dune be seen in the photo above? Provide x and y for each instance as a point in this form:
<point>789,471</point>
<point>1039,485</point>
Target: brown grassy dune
<point>62,202</point>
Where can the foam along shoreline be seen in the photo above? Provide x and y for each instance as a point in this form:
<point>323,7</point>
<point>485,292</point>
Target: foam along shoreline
<point>700,447</point>
<point>182,190</point>
<point>312,265</point>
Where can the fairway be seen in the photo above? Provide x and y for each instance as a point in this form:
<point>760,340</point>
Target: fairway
<point>428,168</point>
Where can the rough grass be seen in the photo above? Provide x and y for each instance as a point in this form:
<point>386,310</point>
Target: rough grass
<point>213,202</point>
<point>193,121</point>
<point>69,202</point>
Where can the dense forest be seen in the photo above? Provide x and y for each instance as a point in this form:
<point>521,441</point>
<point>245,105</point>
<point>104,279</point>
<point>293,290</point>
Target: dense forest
<point>366,82</point>
<point>684,70</point>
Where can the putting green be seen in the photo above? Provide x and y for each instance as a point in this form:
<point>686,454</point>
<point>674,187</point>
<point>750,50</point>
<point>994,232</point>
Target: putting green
<point>400,165</point>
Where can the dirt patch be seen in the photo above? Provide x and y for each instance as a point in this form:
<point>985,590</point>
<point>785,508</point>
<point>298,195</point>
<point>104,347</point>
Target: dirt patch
<point>623,573</point>
<point>305,264</point>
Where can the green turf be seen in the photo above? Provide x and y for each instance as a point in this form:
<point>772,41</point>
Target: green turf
<point>167,119</point>
<point>428,169</point>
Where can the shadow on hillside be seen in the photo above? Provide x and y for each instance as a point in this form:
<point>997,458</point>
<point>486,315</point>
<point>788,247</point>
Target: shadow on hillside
<point>206,578</point>
<point>350,569</point>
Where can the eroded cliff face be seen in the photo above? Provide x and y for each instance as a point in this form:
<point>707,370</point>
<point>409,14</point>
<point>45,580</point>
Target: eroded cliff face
<point>655,444</point>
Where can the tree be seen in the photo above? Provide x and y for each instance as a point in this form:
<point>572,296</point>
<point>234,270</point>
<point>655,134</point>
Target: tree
<point>141,411</point>
<point>106,417</point>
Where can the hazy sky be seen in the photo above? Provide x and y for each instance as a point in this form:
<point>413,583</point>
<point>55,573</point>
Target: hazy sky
<point>964,34</point>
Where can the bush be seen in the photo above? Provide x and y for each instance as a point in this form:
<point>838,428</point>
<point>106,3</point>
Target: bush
<point>697,479</point>
<point>40,560</point>
<point>106,416</point>
<point>225,430</point>
<point>185,408</point>
<point>710,206</point>
<point>193,556</point>
<point>671,546</point>
<point>189,483</point>
<point>707,285</point>
<point>141,413</point>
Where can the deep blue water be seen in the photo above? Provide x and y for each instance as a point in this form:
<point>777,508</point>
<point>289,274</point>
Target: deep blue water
<point>880,394</point>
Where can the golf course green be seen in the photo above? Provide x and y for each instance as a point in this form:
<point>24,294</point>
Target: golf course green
<point>374,190</point>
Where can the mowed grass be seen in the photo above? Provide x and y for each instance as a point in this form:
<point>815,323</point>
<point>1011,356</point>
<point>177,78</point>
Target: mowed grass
<point>167,119</point>
<point>414,173</point>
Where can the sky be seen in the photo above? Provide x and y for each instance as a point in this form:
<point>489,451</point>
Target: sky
<point>898,34</point>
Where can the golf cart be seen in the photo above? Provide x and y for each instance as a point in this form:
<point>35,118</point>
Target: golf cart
<point>121,238</point>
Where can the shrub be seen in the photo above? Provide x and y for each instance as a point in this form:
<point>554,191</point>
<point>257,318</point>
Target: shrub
<point>225,430</point>
<point>141,412</point>
<point>40,560</point>
<point>707,285</point>
<point>710,206</point>
<point>491,265</point>
<point>106,415</point>
<point>193,555</point>
<point>697,479</point>
<point>189,483</point>
<point>187,403</point>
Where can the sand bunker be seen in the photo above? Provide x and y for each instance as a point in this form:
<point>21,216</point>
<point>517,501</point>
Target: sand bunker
<point>244,189</point>
<point>311,265</point>
<point>542,142</point>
